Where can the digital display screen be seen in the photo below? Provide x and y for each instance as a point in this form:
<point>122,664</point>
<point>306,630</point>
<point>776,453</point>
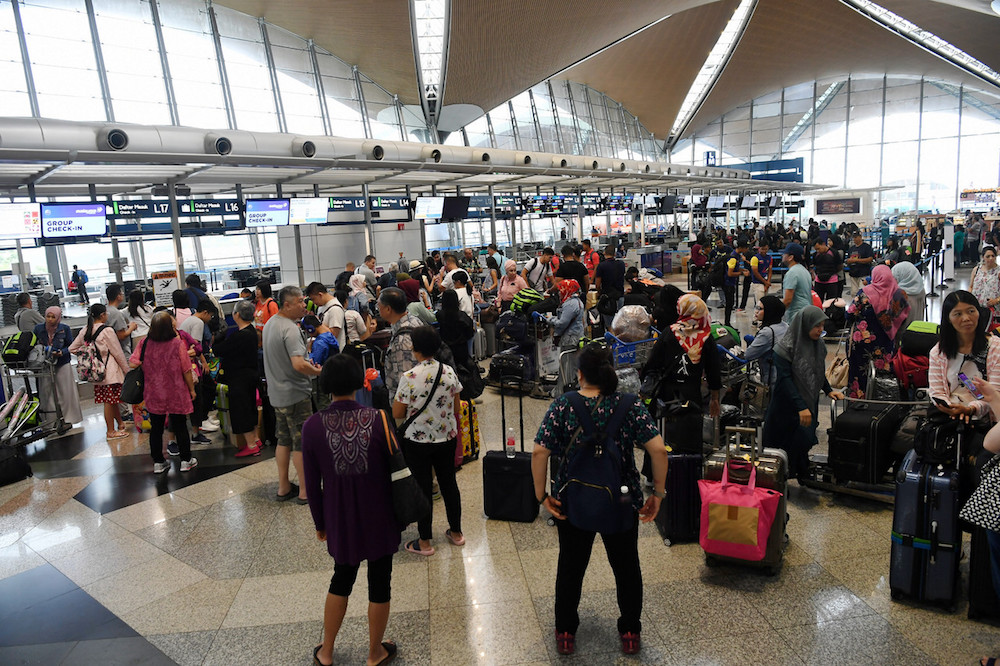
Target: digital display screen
<point>455,208</point>
<point>266,212</point>
<point>20,220</point>
<point>542,204</point>
<point>620,202</point>
<point>717,202</point>
<point>308,210</point>
<point>70,220</point>
<point>429,208</point>
<point>775,202</point>
<point>838,206</point>
<point>667,204</point>
<point>749,201</point>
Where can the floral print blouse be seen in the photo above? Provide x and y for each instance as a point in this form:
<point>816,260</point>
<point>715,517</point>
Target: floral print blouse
<point>437,423</point>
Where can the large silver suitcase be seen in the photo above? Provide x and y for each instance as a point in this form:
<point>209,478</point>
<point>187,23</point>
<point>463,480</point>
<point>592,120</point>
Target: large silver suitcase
<point>772,473</point>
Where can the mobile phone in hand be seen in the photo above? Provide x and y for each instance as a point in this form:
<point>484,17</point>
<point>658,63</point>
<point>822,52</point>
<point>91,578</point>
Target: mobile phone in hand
<point>967,383</point>
<point>942,402</point>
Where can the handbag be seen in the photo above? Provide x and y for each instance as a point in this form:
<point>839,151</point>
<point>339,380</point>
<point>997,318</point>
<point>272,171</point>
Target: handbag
<point>836,374</point>
<point>134,384</point>
<point>736,519</point>
<point>409,503</point>
<point>489,315</point>
<point>983,507</point>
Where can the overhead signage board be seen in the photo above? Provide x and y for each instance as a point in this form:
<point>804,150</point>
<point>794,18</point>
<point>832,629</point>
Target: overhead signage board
<point>429,208</point>
<point>308,210</point>
<point>139,209</point>
<point>480,201</point>
<point>506,201</point>
<point>838,206</point>
<point>152,208</point>
<point>75,219</point>
<point>390,203</point>
<point>20,220</point>
<point>266,212</point>
<point>199,207</point>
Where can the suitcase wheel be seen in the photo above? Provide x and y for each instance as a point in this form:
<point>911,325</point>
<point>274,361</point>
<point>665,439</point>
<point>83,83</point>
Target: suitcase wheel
<point>711,561</point>
<point>667,543</point>
<point>772,571</point>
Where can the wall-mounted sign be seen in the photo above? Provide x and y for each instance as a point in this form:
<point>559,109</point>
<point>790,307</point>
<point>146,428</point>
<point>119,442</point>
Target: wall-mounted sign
<point>838,206</point>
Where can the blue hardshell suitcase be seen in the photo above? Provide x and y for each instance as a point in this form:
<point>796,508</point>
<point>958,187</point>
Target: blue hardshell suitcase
<point>926,536</point>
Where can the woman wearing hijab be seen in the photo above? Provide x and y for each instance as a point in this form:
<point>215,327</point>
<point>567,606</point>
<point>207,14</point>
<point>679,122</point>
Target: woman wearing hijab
<point>55,334</point>
<point>510,284</point>
<point>455,326</point>
<point>874,317</point>
<point>567,330</point>
<point>665,306</point>
<point>800,364</point>
<point>418,304</point>
<point>768,314</point>
<point>682,357</point>
<point>912,283</point>
<point>358,297</point>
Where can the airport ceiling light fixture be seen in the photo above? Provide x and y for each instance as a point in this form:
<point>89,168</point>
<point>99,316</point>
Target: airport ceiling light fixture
<point>430,24</point>
<point>710,71</point>
<point>925,39</point>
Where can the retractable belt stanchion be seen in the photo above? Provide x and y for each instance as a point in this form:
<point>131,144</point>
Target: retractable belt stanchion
<point>933,265</point>
<point>944,280</point>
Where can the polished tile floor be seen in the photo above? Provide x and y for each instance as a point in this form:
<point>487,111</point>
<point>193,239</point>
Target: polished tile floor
<point>103,563</point>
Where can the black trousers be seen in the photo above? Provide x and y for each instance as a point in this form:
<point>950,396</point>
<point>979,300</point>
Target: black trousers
<point>622,549</point>
<point>421,459</point>
<point>379,579</point>
<point>729,291</point>
<point>179,428</point>
<point>747,281</point>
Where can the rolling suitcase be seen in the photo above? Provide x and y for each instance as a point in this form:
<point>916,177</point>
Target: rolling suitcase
<point>508,486</point>
<point>469,435</point>
<point>983,602</point>
<point>772,473</point>
<point>680,512</point>
<point>479,345</point>
<point>861,440</point>
<point>926,537</point>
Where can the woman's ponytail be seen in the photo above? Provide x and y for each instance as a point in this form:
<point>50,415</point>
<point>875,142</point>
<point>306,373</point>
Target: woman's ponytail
<point>596,367</point>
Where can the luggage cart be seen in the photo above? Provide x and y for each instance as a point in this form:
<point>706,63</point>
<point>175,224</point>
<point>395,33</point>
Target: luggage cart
<point>539,345</point>
<point>631,354</point>
<point>29,423</point>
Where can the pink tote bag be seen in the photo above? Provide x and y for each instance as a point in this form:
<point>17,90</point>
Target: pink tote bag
<point>736,519</point>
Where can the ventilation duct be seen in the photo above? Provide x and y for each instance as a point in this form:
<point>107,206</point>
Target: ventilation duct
<point>507,158</point>
<point>324,147</point>
<point>398,151</point>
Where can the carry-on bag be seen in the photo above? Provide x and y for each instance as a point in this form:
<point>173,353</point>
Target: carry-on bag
<point>919,338</point>
<point>17,348</point>
<point>736,519</point>
<point>514,364</point>
<point>772,472</point>
<point>680,511</point>
<point>13,466</point>
<point>479,345</point>
<point>926,536</point>
<point>861,440</point>
<point>222,410</point>
<point>469,436</point>
<point>508,486</point>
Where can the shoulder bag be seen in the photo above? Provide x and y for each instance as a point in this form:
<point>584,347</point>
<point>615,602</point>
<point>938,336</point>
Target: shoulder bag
<point>983,507</point>
<point>133,386</point>
<point>837,374</point>
<point>409,503</point>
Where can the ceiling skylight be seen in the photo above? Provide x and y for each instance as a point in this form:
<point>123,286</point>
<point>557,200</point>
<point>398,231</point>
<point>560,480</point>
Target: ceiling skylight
<point>713,66</point>
<point>430,26</point>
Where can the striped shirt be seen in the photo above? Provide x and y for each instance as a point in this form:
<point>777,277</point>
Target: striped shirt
<point>942,374</point>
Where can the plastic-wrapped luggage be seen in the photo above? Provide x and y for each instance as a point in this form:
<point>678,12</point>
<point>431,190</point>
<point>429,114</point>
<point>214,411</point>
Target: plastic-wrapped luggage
<point>631,324</point>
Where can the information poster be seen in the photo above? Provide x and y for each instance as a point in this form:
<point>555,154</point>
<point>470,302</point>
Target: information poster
<point>20,220</point>
<point>70,220</point>
<point>164,286</point>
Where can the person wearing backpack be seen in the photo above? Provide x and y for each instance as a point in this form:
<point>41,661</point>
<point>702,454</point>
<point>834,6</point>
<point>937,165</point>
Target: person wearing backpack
<point>591,435</point>
<point>80,279</point>
<point>102,363</point>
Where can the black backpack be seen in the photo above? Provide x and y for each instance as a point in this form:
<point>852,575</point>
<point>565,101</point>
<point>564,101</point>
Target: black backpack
<point>593,497</point>
<point>719,269</point>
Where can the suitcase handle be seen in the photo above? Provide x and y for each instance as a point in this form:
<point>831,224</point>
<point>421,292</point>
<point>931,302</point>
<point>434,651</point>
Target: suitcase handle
<point>845,399</point>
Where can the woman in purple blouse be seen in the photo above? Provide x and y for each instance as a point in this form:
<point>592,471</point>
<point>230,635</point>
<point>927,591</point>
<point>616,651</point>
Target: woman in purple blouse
<point>345,454</point>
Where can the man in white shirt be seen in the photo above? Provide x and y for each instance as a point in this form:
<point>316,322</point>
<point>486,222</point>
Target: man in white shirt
<point>368,270</point>
<point>450,268</point>
<point>537,272</point>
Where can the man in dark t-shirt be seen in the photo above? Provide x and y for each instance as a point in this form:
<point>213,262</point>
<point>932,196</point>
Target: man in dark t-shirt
<point>859,262</point>
<point>572,268</point>
<point>609,276</point>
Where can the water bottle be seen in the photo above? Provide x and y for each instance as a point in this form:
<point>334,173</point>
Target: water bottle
<point>509,447</point>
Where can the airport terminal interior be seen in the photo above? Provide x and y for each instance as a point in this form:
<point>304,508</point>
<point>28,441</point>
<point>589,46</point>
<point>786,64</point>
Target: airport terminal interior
<point>240,141</point>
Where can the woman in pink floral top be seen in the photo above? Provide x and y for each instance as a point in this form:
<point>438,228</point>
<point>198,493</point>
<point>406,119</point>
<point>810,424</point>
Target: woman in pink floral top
<point>874,316</point>
<point>427,398</point>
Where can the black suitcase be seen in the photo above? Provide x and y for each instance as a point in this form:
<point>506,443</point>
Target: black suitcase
<point>983,602</point>
<point>508,486</point>
<point>926,537</point>
<point>13,466</point>
<point>679,518</point>
<point>861,440</point>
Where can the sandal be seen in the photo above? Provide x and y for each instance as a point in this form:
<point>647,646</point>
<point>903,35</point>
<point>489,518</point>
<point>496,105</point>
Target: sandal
<point>455,540</point>
<point>565,642</point>
<point>118,434</point>
<point>391,648</point>
<point>316,660</point>
<point>414,547</point>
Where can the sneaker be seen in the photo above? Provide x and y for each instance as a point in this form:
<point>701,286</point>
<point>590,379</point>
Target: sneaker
<point>248,451</point>
<point>565,643</point>
<point>208,426</point>
<point>173,448</point>
<point>127,418</point>
<point>211,420</point>
<point>160,468</point>
<point>188,465</point>
<point>630,643</point>
<point>200,439</point>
